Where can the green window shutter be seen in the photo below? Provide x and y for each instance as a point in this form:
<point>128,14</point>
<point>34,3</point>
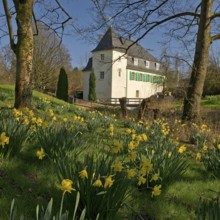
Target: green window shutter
<point>145,77</point>
<point>138,76</point>
<point>130,75</point>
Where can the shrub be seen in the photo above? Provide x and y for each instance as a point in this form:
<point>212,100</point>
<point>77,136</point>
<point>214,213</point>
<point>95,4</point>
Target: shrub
<point>62,86</point>
<point>92,87</point>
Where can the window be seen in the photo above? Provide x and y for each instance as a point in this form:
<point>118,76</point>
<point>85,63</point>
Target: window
<point>102,75</point>
<point>141,77</point>
<point>132,76</point>
<point>147,64</point>
<point>157,66</point>
<point>102,57</point>
<point>155,79</point>
<point>137,93</point>
<point>135,61</point>
<point>119,72</point>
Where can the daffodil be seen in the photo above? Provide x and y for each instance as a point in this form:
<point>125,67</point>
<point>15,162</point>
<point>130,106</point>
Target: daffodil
<point>156,190</point>
<point>83,174</point>
<point>98,183</point>
<point>218,146</point>
<point>4,139</point>
<point>182,149</point>
<point>144,137</point>
<point>141,180</point>
<point>118,167</point>
<point>108,181</point>
<point>66,185</point>
<point>131,173</point>
<point>155,177</point>
<point>132,156</point>
<point>198,156</point>
<point>41,154</point>
<point>205,148</point>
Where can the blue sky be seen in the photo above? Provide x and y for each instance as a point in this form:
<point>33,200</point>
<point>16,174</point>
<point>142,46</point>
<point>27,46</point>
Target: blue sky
<point>80,49</point>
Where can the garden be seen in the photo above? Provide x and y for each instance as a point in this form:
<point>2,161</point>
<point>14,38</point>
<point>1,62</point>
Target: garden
<point>61,161</point>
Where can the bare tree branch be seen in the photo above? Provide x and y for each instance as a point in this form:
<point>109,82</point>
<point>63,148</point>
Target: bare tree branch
<point>215,37</point>
<point>9,23</point>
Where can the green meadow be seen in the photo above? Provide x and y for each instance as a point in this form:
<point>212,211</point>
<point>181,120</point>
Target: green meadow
<point>63,161</point>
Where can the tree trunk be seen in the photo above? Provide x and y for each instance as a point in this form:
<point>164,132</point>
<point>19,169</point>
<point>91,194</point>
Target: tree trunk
<point>24,53</point>
<point>191,109</point>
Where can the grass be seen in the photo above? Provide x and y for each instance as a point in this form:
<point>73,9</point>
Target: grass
<point>31,181</point>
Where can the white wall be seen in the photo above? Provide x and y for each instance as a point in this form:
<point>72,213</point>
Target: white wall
<point>146,89</point>
<point>119,85</point>
<point>103,86</point>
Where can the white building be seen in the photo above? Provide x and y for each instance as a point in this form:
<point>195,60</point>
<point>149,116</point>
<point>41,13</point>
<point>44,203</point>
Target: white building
<point>122,71</point>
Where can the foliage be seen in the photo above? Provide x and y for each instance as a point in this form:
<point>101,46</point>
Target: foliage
<point>102,190</point>
<point>16,127</point>
<point>209,209</point>
<point>210,157</point>
<point>62,85</point>
<point>92,87</point>
<point>60,141</point>
<point>45,214</point>
<point>199,134</point>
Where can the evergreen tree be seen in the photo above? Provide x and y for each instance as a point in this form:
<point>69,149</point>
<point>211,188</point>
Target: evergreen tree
<point>62,86</point>
<point>92,87</point>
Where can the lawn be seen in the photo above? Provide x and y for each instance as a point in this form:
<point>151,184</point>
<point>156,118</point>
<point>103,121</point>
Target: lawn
<point>120,169</point>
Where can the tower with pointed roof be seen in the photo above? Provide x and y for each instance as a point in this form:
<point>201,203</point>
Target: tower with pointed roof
<point>122,69</point>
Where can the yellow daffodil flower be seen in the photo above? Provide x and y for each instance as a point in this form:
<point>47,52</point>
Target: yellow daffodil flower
<point>4,139</point>
<point>118,167</point>
<point>131,173</point>
<point>205,148</point>
<point>98,183</point>
<point>182,149</point>
<point>66,185</point>
<point>144,137</point>
<point>198,156</point>
<point>155,177</point>
<point>156,190</point>
<point>132,156</point>
<point>108,181</point>
<point>141,180</point>
<point>218,146</point>
<point>83,174</point>
<point>41,154</point>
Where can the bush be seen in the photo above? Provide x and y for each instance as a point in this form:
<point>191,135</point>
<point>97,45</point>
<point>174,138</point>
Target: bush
<point>62,86</point>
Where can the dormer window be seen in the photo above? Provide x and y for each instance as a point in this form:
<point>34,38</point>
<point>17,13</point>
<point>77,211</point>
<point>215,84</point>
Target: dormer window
<point>157,66</point>
<point>135,61</point>
<point>147,64</point>
<point>102,57</point>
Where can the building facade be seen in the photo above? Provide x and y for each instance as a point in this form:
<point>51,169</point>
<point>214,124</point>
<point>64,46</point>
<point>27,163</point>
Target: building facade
<point>122,69</point>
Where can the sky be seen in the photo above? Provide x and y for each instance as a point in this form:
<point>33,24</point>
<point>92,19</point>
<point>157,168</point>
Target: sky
<point>79,49</point>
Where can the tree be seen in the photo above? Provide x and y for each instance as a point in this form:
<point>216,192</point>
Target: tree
<point>62,86</point>
<point>188,21</point>
<point>49,56</point>
<point>24,12</point>
<point>92,87</point>
<point>212,82</point>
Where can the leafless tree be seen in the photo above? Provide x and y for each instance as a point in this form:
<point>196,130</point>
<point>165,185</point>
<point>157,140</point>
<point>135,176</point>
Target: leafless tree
<point>26,12</point>
<point>189,21</point>
<point>49,56</point>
